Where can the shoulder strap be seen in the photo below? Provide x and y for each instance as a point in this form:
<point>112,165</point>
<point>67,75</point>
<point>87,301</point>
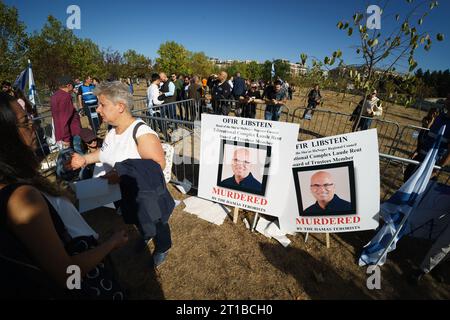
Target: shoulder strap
<point>136,128</point>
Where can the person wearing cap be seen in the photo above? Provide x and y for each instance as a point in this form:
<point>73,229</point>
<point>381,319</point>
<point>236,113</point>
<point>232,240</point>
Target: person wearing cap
<point>90,141</point>
<point>250,100</point>
<point>66,120</point>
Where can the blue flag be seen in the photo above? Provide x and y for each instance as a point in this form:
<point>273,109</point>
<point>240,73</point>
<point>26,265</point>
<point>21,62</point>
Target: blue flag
<point>31,85</point>
<point>396,210</point>
<point>21,80</point>
<point>273,70</point>
<point>26,76</point>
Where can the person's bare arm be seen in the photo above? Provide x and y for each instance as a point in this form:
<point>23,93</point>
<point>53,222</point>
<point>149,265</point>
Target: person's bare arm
<point>282,102</point>
<point>79,161</point>
<point>149,147</point>
<point>29,219</point>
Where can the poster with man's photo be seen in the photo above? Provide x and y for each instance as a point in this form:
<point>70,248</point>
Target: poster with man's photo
<point>335,185</point>
<point>244,162</point>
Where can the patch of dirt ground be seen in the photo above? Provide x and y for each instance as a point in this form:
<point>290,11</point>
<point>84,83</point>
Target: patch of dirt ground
<point>230,262</point>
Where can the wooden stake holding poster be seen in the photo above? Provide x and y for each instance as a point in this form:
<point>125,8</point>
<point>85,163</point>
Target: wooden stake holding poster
<point>235,215</point>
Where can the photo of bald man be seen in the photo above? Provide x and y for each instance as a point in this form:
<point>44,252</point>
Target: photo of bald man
<point>242,177</point>
<point>323,189</point>
<point>326,190</point>
<point>244,166</point>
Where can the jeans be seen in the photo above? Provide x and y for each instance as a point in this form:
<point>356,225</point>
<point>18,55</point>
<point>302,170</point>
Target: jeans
<point>162,238</point>
<point>365,123</point>
<point>77,145</point>
<point>272,113</point>
<point>93,117</point>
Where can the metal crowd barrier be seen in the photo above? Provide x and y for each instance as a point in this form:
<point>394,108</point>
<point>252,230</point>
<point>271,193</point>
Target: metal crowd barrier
<point>392,169</point>
<point>407,142</point>
<point>323,123</point>
<point>184,136</point>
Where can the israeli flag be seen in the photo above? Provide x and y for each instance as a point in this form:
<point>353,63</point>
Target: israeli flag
<point>31,85</point>
<point>21,80</point>
<point>273,70</point>
<point>397,209</point>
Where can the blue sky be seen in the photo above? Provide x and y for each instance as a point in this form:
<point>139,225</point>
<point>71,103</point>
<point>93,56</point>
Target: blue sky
<point>230,29</point>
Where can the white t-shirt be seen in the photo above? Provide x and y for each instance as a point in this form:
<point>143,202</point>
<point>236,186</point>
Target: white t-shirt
<point>120,147</point>
<point>152,95</point>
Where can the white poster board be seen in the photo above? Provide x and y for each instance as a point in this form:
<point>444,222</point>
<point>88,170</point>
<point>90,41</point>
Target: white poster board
<point>244,163</point>
<point>94,193</point>
<point>335,185</point>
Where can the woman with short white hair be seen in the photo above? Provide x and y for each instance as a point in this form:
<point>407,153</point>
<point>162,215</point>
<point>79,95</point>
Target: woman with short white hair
<point>114,104</point>
<point>124,142</point>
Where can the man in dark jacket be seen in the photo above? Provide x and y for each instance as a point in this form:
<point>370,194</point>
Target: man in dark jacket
<point>238,86</point>
<point>221,90</point>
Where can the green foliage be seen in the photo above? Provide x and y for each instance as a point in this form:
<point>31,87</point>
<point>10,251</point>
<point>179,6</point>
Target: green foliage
<point>200,65</point>
<point>112,64</point>
<point>54,46</point>
<point>387,48</point>
<point>136,65</point>
<point>173,58</point>
<point>436,83</point>
<point>13,43</point>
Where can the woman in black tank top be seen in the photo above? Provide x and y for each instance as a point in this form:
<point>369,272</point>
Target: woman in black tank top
<point>34,243</point>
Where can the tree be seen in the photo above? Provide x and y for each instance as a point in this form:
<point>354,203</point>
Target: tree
<point>112,64</point>
<point>254,71</point>
<point>200,65</point>
<point>383,50</point>
<point>235,67</point>
<point>86,59</point>
<point>136,64</point>
<point>13,43</point>
<point>54,47</point>
<point>173,58</point>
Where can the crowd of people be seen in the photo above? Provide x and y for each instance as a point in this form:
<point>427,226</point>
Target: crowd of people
<point>220,92</point>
